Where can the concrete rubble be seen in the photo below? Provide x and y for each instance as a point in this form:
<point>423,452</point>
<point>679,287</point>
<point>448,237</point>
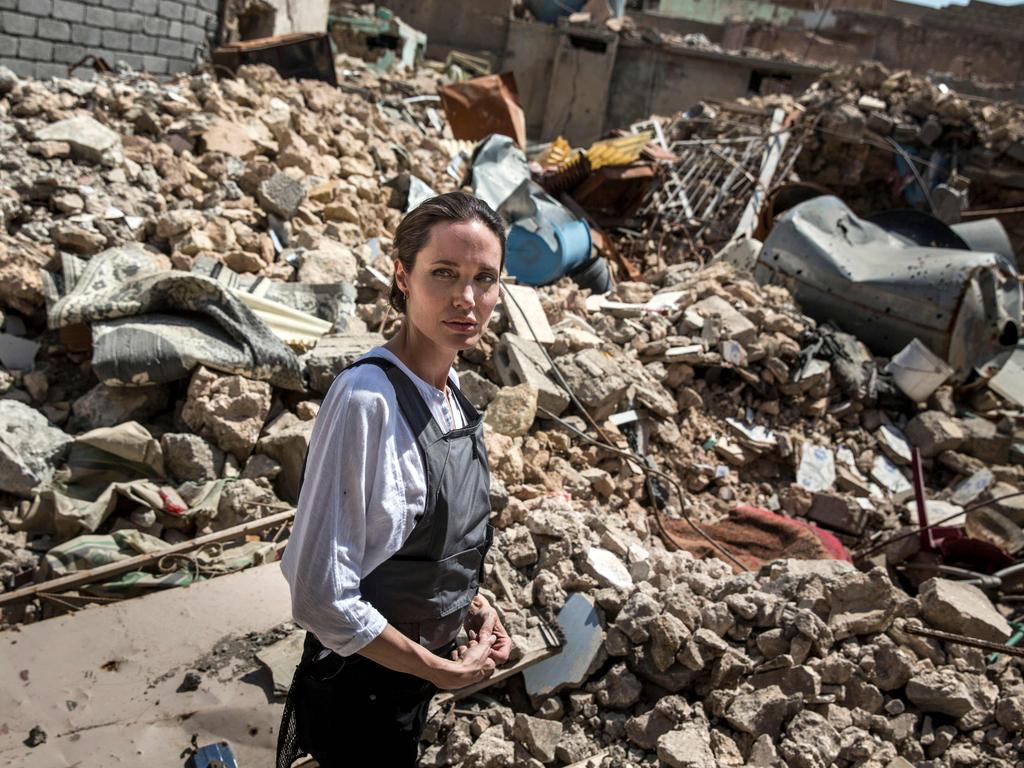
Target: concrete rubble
<point>680,655</point>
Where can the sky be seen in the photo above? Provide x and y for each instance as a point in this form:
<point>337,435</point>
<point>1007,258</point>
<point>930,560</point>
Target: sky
<point>942,3</point>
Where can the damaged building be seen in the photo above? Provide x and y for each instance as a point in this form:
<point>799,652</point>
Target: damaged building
<point>753,394</point>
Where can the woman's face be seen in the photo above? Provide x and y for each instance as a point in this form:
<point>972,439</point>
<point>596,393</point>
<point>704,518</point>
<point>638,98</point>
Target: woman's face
<point>453,286</point>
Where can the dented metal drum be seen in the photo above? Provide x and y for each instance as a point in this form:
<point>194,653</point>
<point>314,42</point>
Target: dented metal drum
<point>964,305</point>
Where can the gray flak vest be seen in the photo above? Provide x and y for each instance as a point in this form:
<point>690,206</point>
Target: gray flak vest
<point>425,588</point>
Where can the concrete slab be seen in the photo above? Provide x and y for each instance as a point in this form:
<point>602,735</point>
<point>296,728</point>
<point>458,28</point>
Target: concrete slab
<point>102,682</point>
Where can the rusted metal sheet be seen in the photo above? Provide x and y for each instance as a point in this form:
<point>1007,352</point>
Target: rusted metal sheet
<point>305,55</point>
<point>964,305</point>
<point>484,105</point>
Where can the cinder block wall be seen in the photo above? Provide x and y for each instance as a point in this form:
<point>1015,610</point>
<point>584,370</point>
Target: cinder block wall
<point>40,38</point>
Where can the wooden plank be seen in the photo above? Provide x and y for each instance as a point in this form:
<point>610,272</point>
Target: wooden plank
<point>81,578</point>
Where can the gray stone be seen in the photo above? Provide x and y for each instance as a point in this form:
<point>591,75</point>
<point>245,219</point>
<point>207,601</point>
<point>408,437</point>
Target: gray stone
<point>645,729</point>
<point>17,23</point>
<point>933,432</point>
<point>518,545</point>
<point>280,195</point>
<point>1010,713</point>
<point>521,360</point>
<point>539,736</point>
<point>260,465</point>
<point>83,35</point>
<point>810,742</point>
<point>790,680</point>
<point>838,513</point>
<point>69,11</point>
<point>962,608</point>
<point>34,48</point>
<point>333,353</point>
<point>607,569</point>
<point>668,634</point>
<point>599,379</point>
<point>949,692</point>
<point>985,442</point>
<point>288,446</point>
<point>89,140</point>
<point>29,448</point>
<point>478,390</point>
<point>734,325</point>
<point>619,689</point>
<point>243,500</point>
<point>761,711</point>
<point>687,747</point>
<point>854,603</point>
<point>105,406</point>
<point>190,457</point>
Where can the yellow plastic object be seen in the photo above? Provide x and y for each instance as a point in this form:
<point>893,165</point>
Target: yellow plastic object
<point>556,155</point>
<point>620,151</point>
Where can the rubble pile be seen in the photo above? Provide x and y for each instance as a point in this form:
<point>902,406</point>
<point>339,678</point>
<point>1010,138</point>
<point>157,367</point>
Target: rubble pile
<point>186,268</point>
<point>975,148</point>
<point>132,211</point>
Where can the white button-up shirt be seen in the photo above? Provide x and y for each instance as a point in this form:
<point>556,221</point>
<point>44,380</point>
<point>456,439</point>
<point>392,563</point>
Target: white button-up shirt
<point>364,487</point>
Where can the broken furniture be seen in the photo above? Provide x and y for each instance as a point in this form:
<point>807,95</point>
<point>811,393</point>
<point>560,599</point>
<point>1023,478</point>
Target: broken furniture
<point>296,54</point>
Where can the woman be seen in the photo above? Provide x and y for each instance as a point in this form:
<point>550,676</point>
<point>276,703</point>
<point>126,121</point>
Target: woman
<point>391,529</point>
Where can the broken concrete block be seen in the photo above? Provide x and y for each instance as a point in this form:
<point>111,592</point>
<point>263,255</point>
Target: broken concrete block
<point>104,406</point>
<point>513,410</point>
<point>810,741</point>
<point>599,379</point>
<point>895,445</point>
<point>837,513</point>
<point>984,441</point>
<point>288,447</point>
<point>478,390</point>
<point>525,314</point>
<point>230,410</point>
<point>89,140</point>
<point>332,354</point>
<point>539,736</point>
<point>1010,713</point>
<point>933,432</point>
<point>30,447</point>
<point>734,325</point>
<point>521,360</point>
<point>331,262</point>
<point>491,750</point>
<point>761,711</point>
<point>689,746</point>
<point>190,457</point>
<point>608,569</point>
<point>518,546</point>
<point>962,608</point>
<point>950,692</point>
<point>868,103</point>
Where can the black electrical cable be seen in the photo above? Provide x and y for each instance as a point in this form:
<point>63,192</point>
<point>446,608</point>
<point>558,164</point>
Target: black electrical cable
<point>604,443</point>
<point>899,537</point>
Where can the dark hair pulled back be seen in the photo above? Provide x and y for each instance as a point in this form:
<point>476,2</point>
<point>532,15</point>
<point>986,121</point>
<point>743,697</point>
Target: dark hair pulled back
<point>413,231</point>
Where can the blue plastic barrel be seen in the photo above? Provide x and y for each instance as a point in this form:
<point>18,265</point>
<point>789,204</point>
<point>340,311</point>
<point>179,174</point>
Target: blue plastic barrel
<point>531,260</point>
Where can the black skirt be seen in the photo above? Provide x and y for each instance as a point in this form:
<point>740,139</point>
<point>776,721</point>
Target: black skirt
<point>339,707</point>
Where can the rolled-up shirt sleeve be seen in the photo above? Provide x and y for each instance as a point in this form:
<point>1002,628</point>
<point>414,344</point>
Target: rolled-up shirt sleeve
<point>353,487</point>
